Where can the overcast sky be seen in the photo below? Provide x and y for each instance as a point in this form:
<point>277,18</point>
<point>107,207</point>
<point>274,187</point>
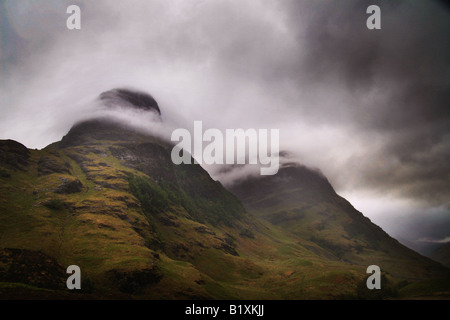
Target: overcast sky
<point>369,108</point>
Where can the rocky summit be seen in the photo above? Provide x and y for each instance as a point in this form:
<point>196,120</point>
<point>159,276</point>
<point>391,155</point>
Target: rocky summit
<point>131,99</point>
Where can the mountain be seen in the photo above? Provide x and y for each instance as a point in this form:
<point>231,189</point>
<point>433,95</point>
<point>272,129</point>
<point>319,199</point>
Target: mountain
<point>108,199</point>
<point>303,202</point>
<point>442,254</point>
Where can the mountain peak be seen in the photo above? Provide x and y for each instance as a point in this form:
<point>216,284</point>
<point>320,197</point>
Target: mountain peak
<point>110,126</point>
<point>130,98</point>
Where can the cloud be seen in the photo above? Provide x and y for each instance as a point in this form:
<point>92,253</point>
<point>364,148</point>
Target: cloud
<point>392,86</point>
<point>445,240</point>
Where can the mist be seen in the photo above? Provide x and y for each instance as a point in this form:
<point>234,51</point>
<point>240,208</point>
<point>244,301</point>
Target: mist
<point>369,108</point>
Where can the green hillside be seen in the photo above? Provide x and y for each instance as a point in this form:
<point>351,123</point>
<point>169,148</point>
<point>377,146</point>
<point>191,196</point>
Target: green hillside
<point>302,202</point>
<point>442,254</point>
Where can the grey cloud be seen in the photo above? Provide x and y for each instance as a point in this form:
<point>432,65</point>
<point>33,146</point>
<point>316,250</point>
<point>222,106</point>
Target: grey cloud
<point>398,83</point>
<point>444,240</point>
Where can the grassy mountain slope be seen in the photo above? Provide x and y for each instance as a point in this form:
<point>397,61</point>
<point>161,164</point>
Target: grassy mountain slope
<point>108,199</point>
<point>303,202</point>
<point>442,254</point>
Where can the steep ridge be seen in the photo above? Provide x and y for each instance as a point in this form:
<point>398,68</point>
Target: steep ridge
<point>303,202</point>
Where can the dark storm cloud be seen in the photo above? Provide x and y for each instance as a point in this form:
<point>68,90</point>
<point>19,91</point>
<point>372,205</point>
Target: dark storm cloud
<point>398,79</point>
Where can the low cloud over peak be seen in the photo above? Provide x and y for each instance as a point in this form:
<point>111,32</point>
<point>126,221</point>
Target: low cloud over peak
<point>131,98</point>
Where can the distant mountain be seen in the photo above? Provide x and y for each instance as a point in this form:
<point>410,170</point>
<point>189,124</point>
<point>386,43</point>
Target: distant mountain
<point>303,202</point>
<point>442,254</point>
<point>108,198</point>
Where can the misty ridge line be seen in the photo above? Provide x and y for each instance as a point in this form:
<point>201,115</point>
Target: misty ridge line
<point>261,149</point>
<point>235,146</point>
<point>431,240</point>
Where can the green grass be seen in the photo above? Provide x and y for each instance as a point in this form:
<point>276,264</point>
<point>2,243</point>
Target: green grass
<point>434,287</point>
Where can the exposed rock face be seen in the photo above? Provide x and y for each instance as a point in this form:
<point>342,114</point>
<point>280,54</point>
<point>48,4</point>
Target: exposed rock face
<point>69,186</point>
<point>52,164</point>
<point>13,154</point>
<point>136,281</point>
<point>31,267</point>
